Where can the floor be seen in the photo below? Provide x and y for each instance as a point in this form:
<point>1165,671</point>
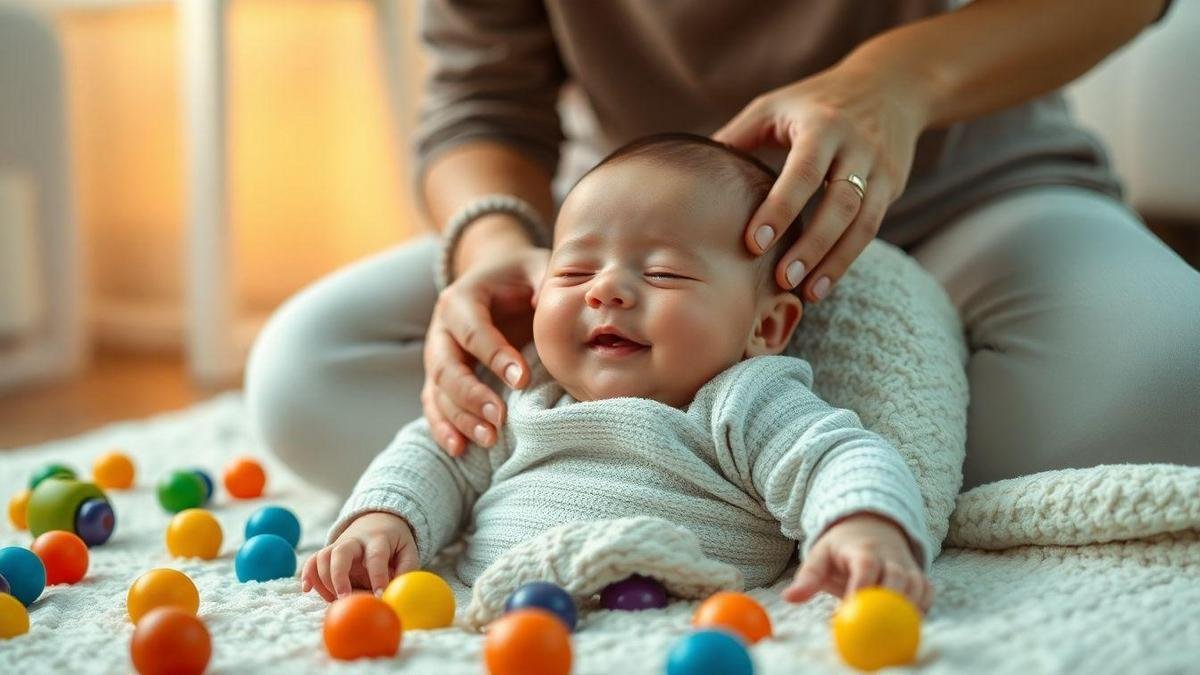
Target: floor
<point>118,385</point>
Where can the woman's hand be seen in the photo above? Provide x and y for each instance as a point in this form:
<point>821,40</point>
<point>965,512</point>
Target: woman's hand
<point>857,551</point>
<point>484,316</point>
<point>845,120</point>
<point>371,550</point>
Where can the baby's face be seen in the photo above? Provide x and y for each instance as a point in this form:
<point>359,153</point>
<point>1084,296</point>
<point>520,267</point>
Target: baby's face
<point>652,260</point>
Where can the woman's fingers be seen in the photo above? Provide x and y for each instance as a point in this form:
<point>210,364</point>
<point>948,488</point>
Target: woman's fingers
<point>470,323</point>
<point>804,169</point>
<point>833,265</point>
<point>467,424</point>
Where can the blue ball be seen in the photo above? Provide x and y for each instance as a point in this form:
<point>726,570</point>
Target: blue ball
<point>274,520</point>
<point>95,521</point>
<point>544,595</point>
<point>208,483</point>
<point>709,652</point>
<point>25,573</point>
<point>4,587</point>
<point>265,557</point>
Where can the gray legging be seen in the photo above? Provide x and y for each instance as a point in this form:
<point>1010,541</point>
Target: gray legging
<point>1084,332</point>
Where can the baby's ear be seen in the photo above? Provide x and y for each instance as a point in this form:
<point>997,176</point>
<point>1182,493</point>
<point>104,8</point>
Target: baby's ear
<point>777,318</point>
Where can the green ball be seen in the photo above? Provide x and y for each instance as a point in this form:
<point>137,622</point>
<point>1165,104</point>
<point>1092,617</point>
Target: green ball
<point>54,504</point>
<point>181,490</point>
<point>49,471</point>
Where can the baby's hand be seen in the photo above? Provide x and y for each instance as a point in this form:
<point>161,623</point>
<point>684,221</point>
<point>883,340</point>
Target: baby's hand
<point>861,550</point>
<point>374,548</point>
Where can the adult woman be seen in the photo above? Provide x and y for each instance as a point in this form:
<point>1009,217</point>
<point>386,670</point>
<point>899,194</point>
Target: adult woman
<point>938,130</point>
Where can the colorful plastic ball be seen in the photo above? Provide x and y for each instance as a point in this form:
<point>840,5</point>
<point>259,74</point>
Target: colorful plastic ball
<point>180,490</point>
<point>64,554</point>
<point>244,478</point>
<point>25,573</point>
<point>877,627</point>
<point>161,587</point>
<point>14,618</point>
<point>265,557</point>
<point>528,641</point>
<point>194,533</point>
<point>633,594</point>
<point>208,483</point>
<point>54,504</point>
<point>170,641</point>
<point>113,471</point>
<point>735,612</point>
<point>95,521</point>
<point>547,596</point>
<point>274,520</point>
<point>18,508</point>
<point>361,625</point>
<point>50,471</point>
<point>4,587</point>
<point>709,652</point>
<point>421,599</point>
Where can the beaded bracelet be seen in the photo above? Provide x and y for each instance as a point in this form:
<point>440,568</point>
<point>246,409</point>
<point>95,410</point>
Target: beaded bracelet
<point>525,214</point>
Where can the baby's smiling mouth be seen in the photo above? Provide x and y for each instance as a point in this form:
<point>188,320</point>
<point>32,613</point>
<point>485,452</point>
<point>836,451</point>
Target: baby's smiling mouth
<point>611,343</point>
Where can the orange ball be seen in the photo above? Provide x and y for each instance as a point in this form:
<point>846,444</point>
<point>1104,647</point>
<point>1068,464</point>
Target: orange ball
<point>528,641</point>
<point>361,625</point>
<point>161,587</point>
<point>245,478</point>
<point>64,554</point>
<point>18,506</point>
<point>113,470</point>
<point>170,641</point>
<point>736,611</point>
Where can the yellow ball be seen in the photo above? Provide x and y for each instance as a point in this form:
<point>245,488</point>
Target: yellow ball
<point>194,533</point>
<point>18,506</point>
<point>14,619</point>
<point>113,471</point>
<point>877,627</point>
<point>161,587</point>
<point>421,600</point>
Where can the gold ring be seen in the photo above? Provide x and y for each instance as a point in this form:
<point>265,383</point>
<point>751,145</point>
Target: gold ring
<point>860,185</point>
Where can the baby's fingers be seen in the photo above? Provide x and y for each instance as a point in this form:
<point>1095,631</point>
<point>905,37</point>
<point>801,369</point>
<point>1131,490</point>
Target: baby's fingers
<point>376,559</point>
<point>864,571</point>
<point>321,580</point>
<point>810,579</point>
<point>343,556</point>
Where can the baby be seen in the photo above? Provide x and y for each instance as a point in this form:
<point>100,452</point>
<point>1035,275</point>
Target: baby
<point>658,389</point>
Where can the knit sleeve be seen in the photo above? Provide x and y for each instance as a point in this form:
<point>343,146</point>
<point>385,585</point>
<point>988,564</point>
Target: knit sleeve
<point>806,461</point>
<point>493,72</point>
<point>415,479</point>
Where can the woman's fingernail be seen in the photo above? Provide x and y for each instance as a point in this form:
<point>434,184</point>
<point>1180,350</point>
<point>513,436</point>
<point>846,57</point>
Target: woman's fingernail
<point>763,236</point>
<point>513,374</point>
<point>491,413</point>
<point>821,287</point>
<point>481,434</point>
<point>795,272</point>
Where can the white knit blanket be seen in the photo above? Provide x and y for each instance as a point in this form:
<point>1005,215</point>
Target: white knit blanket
<point>1124,607</point>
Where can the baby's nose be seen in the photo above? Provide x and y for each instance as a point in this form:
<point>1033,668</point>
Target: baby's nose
<point>611,292</point>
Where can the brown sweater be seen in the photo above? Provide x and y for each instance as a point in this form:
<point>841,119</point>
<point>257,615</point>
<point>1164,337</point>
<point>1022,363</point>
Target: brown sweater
<point>626,68</point>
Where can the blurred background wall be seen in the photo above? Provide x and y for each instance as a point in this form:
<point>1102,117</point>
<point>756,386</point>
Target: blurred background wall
<point>317,178</point>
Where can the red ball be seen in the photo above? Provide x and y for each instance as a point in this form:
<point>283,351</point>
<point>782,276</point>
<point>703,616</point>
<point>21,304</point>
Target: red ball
<point>170,641</point>
<point>529,641</point>
<point>64,554</point>
<point>361,625</point>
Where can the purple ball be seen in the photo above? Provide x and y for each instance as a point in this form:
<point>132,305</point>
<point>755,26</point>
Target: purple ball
<point>95,521</point>
<point>4,587</point>
<point>633,594</point>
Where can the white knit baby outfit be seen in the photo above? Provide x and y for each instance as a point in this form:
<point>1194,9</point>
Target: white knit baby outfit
<point>754,464</point>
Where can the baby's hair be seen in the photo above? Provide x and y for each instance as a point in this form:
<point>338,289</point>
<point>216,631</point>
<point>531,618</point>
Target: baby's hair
<point>727,164</point>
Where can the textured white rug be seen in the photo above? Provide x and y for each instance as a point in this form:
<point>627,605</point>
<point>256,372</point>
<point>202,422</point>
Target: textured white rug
<point>1103,608</point>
